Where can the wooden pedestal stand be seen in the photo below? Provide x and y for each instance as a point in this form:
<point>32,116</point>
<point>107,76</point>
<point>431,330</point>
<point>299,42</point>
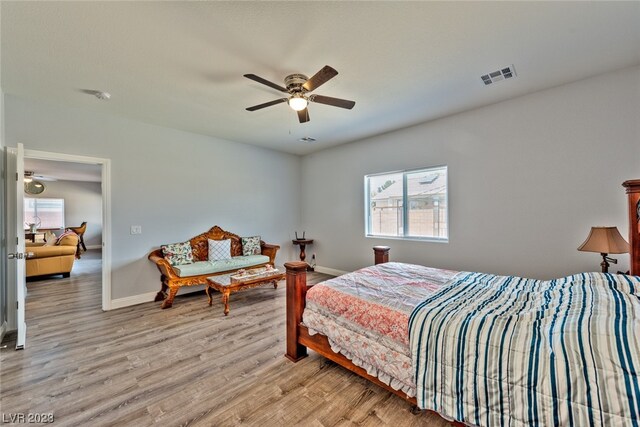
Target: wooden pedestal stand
<point>303,245</point>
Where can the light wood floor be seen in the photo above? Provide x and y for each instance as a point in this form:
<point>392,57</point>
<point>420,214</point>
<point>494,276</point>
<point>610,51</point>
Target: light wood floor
<point>188,365</point>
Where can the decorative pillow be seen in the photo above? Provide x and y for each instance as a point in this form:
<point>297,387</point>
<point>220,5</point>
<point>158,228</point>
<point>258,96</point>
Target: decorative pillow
<point>251,246</point>
<point>50,238</point>
<point>219,249</point>
<point>178,253</point>
<point>63,235</point>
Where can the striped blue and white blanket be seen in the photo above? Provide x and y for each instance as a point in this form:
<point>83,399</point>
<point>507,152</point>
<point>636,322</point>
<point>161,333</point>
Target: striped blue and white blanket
<point>494,350</point>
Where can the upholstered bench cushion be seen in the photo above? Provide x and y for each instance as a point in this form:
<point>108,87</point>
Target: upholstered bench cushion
<point>199,268</point>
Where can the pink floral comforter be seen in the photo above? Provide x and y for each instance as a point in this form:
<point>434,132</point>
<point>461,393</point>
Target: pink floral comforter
<point>365,316</point>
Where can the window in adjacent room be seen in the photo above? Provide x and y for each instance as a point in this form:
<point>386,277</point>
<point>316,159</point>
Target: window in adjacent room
<point>50,212</point>
<point>408,204</point>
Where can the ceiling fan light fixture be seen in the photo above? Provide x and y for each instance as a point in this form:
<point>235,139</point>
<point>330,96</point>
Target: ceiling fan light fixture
<point>298,103</point>
<point>298,90</point>
<point>103,96</point>
<point>28,179</point>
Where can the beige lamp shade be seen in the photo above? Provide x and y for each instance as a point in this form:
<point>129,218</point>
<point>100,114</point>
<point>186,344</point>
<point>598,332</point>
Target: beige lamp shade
<point>605,240</point>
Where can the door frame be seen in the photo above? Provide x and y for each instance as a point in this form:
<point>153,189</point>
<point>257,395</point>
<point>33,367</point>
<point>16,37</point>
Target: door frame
<point>106,209</point>
<point>20,262</point>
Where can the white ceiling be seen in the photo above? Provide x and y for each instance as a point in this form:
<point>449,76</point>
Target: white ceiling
<point>180,64</point>
<point>64,171</point>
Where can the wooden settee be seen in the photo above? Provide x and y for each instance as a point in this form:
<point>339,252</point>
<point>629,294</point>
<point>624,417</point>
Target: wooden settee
<point>170,278</point>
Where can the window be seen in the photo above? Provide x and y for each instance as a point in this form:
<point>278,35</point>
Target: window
<point>49,212</point>
<point>409,204</point>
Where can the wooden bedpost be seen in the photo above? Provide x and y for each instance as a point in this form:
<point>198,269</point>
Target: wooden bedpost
<point>633,195</point>
<point>296,295</point>
<point>381,254</point>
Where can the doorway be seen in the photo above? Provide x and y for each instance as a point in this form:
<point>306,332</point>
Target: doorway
<point>62,196</point>
<point>102,243</point>
<point>84,174</point>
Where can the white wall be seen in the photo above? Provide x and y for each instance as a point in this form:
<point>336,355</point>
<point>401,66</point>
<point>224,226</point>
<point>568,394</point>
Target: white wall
<point>82,202</point>
<point>528,177</point>
<point>174,184</point>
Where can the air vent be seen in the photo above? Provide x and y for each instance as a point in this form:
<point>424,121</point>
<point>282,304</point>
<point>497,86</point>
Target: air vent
<point>501,74</point>
<point>307,139</point>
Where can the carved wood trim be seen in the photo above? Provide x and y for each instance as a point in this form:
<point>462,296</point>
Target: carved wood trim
<point>381,254</point>
<point>270,251</point>
<point>633,198</point>
<point>163,265</point>
<point>247,284</point>
<point>200,243</point>
<point>200,249</point>
<point>296,297</point>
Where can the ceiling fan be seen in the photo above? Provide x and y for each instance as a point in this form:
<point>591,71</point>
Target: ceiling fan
<point>30,176</point>
<point>298,87</point>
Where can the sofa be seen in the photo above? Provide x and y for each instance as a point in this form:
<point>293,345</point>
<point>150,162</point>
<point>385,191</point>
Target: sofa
<point>43,260</point>
<point>173,277</point>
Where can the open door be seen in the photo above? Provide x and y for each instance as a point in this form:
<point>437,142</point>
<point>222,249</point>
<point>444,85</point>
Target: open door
<point>15,191</point>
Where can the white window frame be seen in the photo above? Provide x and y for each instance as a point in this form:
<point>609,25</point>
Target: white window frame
<point>405,205</point>
<point>48,198</point>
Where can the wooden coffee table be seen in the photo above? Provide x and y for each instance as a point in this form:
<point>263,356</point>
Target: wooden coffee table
<point>226,284</point>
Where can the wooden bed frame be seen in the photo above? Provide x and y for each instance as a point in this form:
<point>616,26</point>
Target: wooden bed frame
<point>299,339</point>
<point>633,197</point>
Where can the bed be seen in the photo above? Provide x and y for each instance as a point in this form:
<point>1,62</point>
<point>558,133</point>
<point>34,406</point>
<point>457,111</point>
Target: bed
<point>481,349</point>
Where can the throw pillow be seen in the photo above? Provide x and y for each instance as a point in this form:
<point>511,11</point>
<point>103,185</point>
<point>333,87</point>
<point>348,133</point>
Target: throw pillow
<point>178,253</point>
<point>50,238</point>
<point>251,246</point>
<point>219,249</point>
<point>65,234</point>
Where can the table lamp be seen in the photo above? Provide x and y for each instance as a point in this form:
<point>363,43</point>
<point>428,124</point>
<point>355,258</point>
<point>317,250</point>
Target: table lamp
<point>605,240</point>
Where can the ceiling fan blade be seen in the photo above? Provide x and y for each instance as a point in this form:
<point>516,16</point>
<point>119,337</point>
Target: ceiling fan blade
<point>36,177</point>
<point>320,78</point>
<point>267,104</point>
<point>44,178</point>
<point>265,82</point>
<point>303,115</point>
<point>336,102</point>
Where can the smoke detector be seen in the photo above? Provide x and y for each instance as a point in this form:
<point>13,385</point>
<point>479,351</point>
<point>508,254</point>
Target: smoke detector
<point>499,75</point>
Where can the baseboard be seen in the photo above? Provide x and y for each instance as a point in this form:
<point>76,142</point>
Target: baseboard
<point>148,297</point>
<point>3,330</point>
<point>331,271</point>
<point>132,300</point>
<point>94,247</point>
